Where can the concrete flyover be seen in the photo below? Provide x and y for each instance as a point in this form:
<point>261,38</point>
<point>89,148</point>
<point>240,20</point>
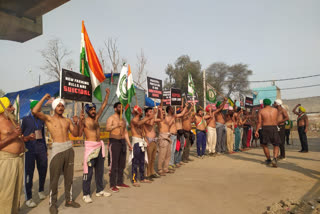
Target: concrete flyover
<point>21,21</point>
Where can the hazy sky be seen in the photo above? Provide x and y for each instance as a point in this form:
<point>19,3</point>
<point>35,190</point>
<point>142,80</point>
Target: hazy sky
<point>277,39</point>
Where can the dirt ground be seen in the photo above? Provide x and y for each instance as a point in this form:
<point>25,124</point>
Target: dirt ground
<point>237,183</point>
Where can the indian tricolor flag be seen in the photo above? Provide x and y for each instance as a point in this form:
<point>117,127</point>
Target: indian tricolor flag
<point>89,64</point>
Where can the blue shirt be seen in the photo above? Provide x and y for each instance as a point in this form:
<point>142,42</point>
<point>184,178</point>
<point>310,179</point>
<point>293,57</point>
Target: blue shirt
<point>29,125</point>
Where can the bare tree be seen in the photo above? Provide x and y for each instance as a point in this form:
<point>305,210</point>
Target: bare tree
<point>141,71</point>
<point>54,55</point>
<point>101,55</point>
<point>113,54</point>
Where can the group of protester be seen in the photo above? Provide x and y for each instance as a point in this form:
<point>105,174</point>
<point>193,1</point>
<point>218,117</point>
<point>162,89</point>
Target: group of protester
<point>166,131</point>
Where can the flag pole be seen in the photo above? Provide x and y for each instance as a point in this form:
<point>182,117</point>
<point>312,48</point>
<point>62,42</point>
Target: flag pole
<point>204,88</point>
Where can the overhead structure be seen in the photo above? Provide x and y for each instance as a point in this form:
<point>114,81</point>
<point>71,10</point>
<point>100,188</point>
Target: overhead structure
<point>21,21</point>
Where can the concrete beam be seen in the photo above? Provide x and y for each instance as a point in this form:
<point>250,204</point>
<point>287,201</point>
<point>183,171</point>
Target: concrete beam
<point>19,29</point>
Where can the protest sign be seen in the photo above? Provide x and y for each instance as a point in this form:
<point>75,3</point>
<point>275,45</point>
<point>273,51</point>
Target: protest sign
<point>154,88</point>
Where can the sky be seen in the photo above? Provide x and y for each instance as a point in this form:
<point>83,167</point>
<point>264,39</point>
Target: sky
<point>277,39</point>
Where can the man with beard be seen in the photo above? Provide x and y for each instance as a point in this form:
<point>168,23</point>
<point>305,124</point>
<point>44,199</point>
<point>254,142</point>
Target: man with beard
<point>268,120</point>
<point>282,118</point>
<point>62,157</point>
<point>139,145</point>
<point>221,129</point>
<point>303,123</point>
<point>94,151</point>
<point>187,119</point>
<point>11,160</point>
<point>173,132</point>
<point>201,132</point>
<point>35,142</point>
<point>117,148</point>
<point>151,139</point>
<point>164,143</point>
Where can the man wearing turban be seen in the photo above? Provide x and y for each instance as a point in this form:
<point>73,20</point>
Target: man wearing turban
<point>268,120</point>
<point>303,124</point>
<point>11,160</point>
<point>35,142</point>
<point>139,145</point>
<point>62,156</point>
<point>282,118</point>
<point>94,151</point>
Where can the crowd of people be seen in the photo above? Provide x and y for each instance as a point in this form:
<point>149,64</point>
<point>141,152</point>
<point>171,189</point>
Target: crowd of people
<point>164,131</point>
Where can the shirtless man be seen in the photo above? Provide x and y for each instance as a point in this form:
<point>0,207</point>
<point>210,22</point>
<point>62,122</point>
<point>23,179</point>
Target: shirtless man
<point>62,156</point>
<point>151,139</point>
<point>139,145</point>
<point>11,160</point>
<point>221,129</point>
<point>237,125</point>
<point>282,118</point>
<point>164,143</point>
<point>117,148</point>
<point>187,119</point>
<point>94,151</point>
<point>268,120</point>
<point>173,132</point>
<point>230,130</point>
<point>201,132</point>
<point>211,127</point>
<point>303,124</point>
<point>180,136</point>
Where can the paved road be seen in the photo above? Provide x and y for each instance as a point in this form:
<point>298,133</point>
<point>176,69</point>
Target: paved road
<point>237,183</point>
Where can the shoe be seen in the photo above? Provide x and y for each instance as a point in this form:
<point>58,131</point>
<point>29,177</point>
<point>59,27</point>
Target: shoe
<point>171,167</point>
<point>42,196</point>
<point>114,189</point>
<point>304,152</point>
<point>274,162</point>
<point>189,159</point>
<point>123,186</point>
<point>268,162</point>
<point>145,181</point>
<point>30,203</point>
<point>53,209</point>
<point>155,176</point>
<point>87,199</point>
<point>72,204</point>
<point>135,184</point>
<point>103,193</point>
<point>301,151</point>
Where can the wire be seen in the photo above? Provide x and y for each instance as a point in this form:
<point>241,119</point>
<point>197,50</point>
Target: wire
<point>307,86</point>
<point>278,80</point>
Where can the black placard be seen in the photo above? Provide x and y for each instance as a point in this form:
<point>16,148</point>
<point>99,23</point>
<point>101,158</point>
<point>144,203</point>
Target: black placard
<point>176,97</point>
<point>192,99</point>
<point>249,102</point>
<point>154,88</point>
<point>75,86</point>
<point>166,98</point>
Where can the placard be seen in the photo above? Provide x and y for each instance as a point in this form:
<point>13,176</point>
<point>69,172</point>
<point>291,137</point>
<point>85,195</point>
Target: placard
<point>166,98</point>
<point>176,97</point>
<point>154,88</point>
<point>75,86</point>
<point>249,102</point>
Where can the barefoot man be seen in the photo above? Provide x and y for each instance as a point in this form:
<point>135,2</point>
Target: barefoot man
<point>180,136</point>
<point>151,139</point>
<point>139,145</point>
<point>117,148</point>
<point>62,156</point>
<point>11,160</point>
<point>268,120</point>
<point>187,119</point>
<point>94,151</point>
<point>282,118</point>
